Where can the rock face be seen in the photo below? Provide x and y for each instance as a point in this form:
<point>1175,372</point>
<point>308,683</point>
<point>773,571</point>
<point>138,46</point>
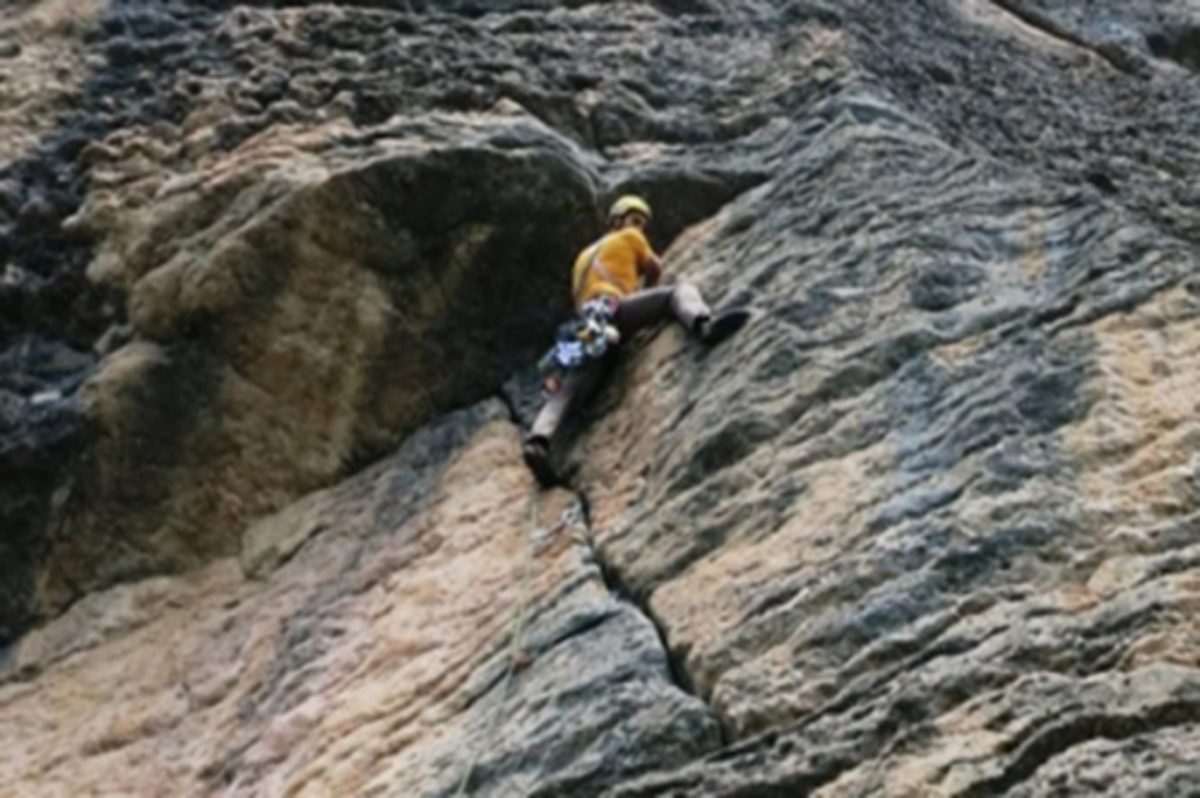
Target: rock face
<point>280,342</point>
<point>358,592</point>
<point>928,526</point>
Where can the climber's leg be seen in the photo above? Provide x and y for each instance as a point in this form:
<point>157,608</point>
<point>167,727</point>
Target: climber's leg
<point>576,388</point>
<point>646,308</point>
<point>683,301</point>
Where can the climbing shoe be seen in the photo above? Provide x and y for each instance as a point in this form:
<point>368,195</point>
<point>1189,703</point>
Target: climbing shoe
<point>716,329</point>
<point>536,452</point>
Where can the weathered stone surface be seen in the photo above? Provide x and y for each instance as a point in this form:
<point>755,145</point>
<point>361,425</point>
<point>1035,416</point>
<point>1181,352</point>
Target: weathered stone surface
<point>43,66</point>
<point>424,229</point>
<point>45,63</point>
<point>371,659</point>
<point>939,499</point>
<point>928,526</point>
<point>282,341</point>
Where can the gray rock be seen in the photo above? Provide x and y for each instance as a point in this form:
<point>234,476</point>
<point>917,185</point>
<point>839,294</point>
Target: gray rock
<point>927,526</point>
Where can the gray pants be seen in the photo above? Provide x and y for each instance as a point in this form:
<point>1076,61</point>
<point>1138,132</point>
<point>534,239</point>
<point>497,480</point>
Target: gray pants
<point>635,312</point>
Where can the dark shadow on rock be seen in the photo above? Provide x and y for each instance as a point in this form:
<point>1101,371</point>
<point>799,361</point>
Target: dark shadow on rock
<point>517,217</point>
<point>684,195</point>
<point>1179,43</point>
<point>46,301</point>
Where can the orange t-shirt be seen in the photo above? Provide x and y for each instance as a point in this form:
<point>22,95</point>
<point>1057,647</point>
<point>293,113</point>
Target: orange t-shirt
<point>618,261</point>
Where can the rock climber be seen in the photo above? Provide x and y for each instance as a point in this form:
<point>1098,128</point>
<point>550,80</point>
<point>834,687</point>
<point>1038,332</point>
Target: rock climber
<point>620,272</point>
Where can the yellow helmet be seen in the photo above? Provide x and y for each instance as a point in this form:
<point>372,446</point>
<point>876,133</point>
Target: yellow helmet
<point>626,205</point>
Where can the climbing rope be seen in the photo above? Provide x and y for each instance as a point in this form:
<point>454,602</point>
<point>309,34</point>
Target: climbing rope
<point>517,659</point>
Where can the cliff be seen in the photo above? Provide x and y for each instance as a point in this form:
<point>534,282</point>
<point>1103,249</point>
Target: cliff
<point>274,275</point>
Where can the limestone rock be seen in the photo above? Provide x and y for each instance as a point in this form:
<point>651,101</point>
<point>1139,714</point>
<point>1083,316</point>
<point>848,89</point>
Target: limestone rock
<point>296,264</point>
<point>373,659</point>
<point>44,64</point>
<point>295,322</point>
<point>934,497</point>
<point>927,526</point>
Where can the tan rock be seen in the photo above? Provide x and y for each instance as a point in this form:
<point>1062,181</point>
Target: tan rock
<point>376,658</point>
<point>302,321</point>
<point>42,81</point>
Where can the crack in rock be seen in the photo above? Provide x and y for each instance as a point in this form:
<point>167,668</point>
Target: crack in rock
<point>1116,57</point>
<point>617,585</point>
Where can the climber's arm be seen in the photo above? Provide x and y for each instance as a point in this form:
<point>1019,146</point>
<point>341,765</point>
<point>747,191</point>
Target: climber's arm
<point>651,271</point>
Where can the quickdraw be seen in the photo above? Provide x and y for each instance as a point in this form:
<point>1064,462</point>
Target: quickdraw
<point>586,338</point>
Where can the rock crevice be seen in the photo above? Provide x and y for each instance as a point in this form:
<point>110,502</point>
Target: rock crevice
<point>617,585</point>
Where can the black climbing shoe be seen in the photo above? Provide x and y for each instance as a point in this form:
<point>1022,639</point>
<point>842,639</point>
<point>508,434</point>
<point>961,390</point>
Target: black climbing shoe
<point>715,330</point>
<point>536,452</point>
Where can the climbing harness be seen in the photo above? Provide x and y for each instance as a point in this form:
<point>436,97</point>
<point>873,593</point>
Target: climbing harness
<point>518,658</point>
<point>586,338</point>
<point>579,282</point>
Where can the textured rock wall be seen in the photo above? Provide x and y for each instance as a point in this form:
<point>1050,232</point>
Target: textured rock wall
<point>44,66</point>
<point>927,527</point>
<point>245,127</point>
<point>364,656</point>
<point>917,494</point>
<point>281,342</point>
